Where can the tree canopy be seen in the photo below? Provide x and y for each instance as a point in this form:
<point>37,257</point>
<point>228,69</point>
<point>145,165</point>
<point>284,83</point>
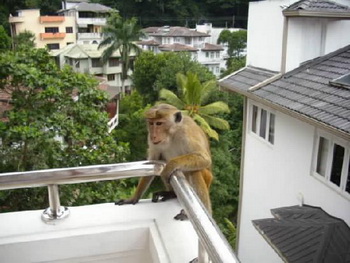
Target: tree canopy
<point>154,72</point>
<point>57,117</point>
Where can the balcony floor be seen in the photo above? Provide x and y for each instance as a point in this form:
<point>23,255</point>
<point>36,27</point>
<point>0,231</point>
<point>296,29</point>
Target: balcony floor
<point>145,232</point>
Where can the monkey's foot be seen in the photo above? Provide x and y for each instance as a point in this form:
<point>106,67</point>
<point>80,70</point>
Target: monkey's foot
<point>181,216</point>
<point>163,196</point>
<point>126,201</point>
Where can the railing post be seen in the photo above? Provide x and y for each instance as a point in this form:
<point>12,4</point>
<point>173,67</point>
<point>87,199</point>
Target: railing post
<point>55,211</point>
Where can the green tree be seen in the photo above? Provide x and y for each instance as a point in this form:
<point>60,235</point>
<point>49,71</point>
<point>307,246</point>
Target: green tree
<point>24,39</point>
<point>5,40</point>
<point>121,35</point>
<point>237,43</point>
<point>154,72</point>
<point>57,120</point>
<point>193,95</point>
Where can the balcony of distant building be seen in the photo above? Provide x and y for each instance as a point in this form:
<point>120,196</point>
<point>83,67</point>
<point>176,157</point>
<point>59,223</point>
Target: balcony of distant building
<point>51,19</point>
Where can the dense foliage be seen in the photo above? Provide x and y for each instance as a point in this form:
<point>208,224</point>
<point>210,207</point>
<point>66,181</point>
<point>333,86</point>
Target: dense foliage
<point>154,72</point>
<point>57,119</point>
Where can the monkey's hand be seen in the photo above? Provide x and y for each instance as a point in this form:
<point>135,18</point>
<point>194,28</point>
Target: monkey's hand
<point>126,201</point>
<point>163,196</point>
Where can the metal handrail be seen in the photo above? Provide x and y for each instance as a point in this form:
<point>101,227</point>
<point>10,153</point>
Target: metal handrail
<point>74,175</point>
<point>210,236</point>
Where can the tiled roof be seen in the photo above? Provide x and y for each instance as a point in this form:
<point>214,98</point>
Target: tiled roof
<point>176,31</point>
<point>242,80</point>
<point>318,5</point>
<point>306,90</point>
<point>211,47</point>
<point>177,47</point>
<point>306,234</point>
<point>151,42</point>
<point>319,8</point>
<point>90,7</point>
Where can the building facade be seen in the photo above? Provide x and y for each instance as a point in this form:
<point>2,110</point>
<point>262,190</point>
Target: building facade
<point>295,182</point>
<point>54,32</point>
<point>181,39</point>
<point>79,23</point>
<point>87,59</point>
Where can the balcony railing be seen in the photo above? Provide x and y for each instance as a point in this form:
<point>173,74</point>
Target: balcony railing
<point>52,35</point>
<point>211,240</point>
<point>51,19</point>
<point>88,36</point>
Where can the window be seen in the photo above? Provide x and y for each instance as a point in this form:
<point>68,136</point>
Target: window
<point>69,29</point>
<point>332,161</point>
<point>96,63</point>
<point>206,54</point>
<point>113,62</point>
<point>77,64</point>
<point>188,41</point>
<point>110,77</point>
<point>51,30</point>
<point>53,46</point>
<point>262,123</point>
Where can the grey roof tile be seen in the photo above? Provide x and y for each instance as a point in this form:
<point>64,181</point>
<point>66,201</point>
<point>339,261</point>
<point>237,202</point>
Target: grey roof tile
<point>306,234</point>
<point>306,90</point>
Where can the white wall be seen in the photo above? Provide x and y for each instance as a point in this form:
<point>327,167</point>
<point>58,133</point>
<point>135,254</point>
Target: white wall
<point>308,38</point>
<point>265,29</point>
<point>274,176</point>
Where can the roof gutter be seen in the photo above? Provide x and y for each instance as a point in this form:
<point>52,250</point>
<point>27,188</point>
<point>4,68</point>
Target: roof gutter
<point>303,13</point>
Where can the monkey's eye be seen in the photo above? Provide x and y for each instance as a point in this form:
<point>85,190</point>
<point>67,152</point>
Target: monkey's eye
<point>158,123</point>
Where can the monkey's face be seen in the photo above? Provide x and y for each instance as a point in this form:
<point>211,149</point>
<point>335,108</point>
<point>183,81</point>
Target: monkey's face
<point>158,130</point>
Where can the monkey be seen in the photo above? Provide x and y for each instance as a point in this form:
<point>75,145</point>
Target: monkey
<point>176,138</point>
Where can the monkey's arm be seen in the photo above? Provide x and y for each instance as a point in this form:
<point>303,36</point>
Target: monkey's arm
<point>189,162</point>
<point>142,186</point>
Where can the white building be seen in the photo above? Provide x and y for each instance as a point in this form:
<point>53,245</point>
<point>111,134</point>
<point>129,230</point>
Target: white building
<point>89,18</point>
<point>295,181</point>
<point>182,39</point>
<point>87,59</point>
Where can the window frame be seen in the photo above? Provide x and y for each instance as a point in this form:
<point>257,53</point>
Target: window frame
<point>268,134</point>
<point>332,140</point>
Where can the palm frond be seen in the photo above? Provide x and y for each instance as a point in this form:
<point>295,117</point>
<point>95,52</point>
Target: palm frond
<point>171,98</point>
<point>216,122</point>
<point>207,88</point>
<point>214,108</point>
<point>206,127</point>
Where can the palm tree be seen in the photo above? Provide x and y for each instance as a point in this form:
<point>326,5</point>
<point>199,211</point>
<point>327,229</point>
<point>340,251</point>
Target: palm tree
<point>193,95</point>
<point>120,35</point>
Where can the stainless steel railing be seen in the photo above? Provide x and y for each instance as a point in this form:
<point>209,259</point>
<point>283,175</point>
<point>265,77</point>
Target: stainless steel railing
<point>211,239</point>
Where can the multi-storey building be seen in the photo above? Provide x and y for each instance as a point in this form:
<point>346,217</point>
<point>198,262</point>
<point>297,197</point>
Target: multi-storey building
<point>78,23</point>
<point>177,39</point>
<point>53,32</point>
<point>89,19</point>
<point>87,59</point>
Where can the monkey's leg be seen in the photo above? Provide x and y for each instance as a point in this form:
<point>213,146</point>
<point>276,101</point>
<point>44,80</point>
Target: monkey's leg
<point>181,216</point>
<point>143,185</point>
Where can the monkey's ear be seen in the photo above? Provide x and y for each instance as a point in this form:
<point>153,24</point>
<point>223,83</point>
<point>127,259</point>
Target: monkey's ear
<point>178,116</point>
